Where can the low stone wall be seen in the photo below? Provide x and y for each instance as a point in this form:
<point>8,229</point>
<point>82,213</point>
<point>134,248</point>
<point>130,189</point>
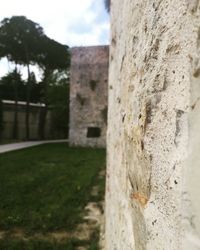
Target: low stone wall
<point>88,96</point>
<point>8,120</point>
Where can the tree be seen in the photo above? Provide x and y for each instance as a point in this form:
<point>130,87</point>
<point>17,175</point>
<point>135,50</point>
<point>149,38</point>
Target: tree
<point>10,88</point>
<point>35,95</point>
<point>55,56</point>
<point>19,42</point>
<point>107,5</point>
<point>24,42</point>
<point>1,118</point>
<point>58,99</point>
<point>9,85</point>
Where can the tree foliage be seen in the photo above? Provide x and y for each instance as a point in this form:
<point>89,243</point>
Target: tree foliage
<point>58,98</point>
<point>9,83</point>
<point>53,55</point>
<point>19,42</point>
<point>107,5</point>
<point>20,39</point>
<point>23,42</point>
<point>13,80</point>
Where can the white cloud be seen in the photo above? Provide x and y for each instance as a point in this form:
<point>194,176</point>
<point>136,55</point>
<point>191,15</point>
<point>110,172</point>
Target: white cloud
<point>56,17</point>
<point>71,22</point>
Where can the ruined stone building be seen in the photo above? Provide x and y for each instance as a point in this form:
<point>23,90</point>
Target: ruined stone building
<point>88,96</point>
<point>153,171</point>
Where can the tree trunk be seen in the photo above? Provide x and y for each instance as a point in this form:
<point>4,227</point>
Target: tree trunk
<point>43,110</point>
<point>28,92</point>
<point>42,122</point>
<point>1,119</point>
<point>15,124</point>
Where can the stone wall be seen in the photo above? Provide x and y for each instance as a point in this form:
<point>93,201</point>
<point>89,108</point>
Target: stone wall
<point>8,121</point>
<point>153,173</point>
<point>88,96</point>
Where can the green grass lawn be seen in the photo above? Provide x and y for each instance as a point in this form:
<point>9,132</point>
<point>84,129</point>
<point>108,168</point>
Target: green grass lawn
<point>45,189</point>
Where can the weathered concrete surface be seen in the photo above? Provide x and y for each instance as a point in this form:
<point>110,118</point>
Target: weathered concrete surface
<point>88,95</point>
<point>153,173</point>
<point>20,145</point>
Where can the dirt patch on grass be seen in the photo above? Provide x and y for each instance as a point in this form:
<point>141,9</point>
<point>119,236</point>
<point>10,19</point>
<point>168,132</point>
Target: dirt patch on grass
<point>92,218</point>
<point>93,222</point>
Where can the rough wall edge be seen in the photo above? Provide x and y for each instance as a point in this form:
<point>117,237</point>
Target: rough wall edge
<point>140,216</point>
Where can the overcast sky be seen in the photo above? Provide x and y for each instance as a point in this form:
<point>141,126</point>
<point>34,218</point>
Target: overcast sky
<point>75,22</point>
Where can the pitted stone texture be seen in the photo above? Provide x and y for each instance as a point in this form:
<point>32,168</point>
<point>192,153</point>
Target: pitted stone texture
<point>154,56</point>
<point>88,94</point>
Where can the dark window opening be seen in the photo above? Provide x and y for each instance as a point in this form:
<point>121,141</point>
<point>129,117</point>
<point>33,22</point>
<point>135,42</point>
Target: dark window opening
<point>80,99</point>
<point>93,132</point>
<point>93,85</point>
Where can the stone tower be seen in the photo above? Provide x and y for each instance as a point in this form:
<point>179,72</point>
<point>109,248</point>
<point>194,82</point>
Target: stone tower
<point>88,96</point>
